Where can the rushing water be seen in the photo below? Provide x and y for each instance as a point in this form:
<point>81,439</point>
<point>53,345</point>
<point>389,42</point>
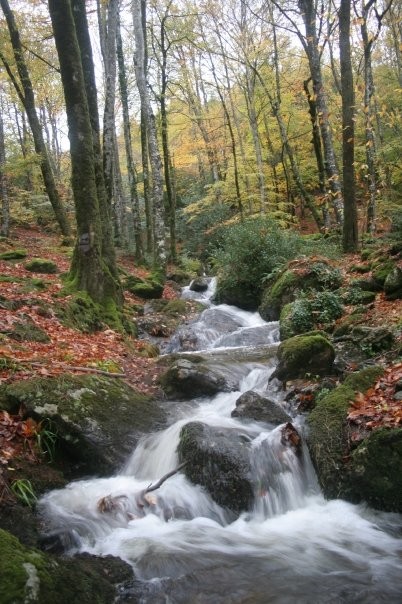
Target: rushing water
<point>292,547</point>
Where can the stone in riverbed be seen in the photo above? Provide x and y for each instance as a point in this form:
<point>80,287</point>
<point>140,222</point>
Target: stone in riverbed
<point>185,380</point>
<point>252,405</point>
<point>218,459</point>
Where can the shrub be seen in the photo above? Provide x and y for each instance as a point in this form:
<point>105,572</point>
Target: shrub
<point>250,251</point>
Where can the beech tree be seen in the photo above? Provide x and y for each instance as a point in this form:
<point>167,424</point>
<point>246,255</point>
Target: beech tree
<point>93,267</point>
<point>159,243</point>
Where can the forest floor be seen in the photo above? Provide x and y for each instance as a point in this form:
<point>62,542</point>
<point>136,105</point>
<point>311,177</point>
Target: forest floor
<point>33,297</point>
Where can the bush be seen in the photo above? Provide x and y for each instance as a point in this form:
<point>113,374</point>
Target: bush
<point>251,250</point>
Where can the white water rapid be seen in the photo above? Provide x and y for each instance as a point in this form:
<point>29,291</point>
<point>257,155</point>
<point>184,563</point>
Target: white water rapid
<point>293,547</point>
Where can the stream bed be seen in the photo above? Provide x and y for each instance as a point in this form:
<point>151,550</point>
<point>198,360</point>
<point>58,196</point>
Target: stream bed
<point>292,547</point>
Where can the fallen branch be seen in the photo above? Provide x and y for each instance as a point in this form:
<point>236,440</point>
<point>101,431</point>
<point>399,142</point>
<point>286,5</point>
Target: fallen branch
<point>162,480</point>
<point>69,367</point>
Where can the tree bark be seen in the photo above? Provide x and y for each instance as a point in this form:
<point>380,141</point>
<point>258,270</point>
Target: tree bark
<point>159,248</point>
<point>5,205</point>
<point>350,229</point>
<point>132,177</point>
<point>90,270</point>
<point>27,98</point>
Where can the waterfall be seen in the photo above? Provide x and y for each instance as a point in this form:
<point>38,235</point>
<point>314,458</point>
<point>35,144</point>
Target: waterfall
<point>292,547</point>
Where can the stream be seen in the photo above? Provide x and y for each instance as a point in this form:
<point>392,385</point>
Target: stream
<point>293,547</point>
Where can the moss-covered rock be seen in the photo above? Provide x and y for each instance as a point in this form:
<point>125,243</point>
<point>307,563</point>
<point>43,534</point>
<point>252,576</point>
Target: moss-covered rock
<point>28,575</point>
<point>148,290</point>
<point>218,459</point>
<point>14,255</point>
<point>97,420</point>
<point>309,354</point>
<point>346,324</point>
<point>381,272</point>
<point>27,331</point>
<point>328,436</point>
<point>375,470</point>
<point>41,265</point>
<point>300,276</point>
<point>393,284</point>
<point>355,295</point>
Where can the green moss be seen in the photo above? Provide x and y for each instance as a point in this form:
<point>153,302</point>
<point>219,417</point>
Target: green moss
<point>309,354</point>
<point>382,271</point>
<point>8,279</point>
<point>28,332</point>
<point>281,293</point>
<point>346,324</point>
<point>148,290</point>
<point>375,470</point>
<point>328,431</point>
<point>81,313</point>
<point>131,281</point>
<point>176,307</point>
<point>40,265</point>
<point>14,255</point>
<point>355,295</point>
<point>295,318</point>
<point>27,575</point>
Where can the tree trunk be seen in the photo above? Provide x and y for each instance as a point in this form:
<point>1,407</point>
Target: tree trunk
<point>170,192</point>
<point>89,270</point>
<point>308,13</point>
<point>132,177</point>
<point>350,230</point>
<point>159,249</point>
<point>5,206</point>
<point>27,98</point>
<point>87,65</point>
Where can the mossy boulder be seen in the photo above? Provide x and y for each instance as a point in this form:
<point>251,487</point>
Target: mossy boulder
<point>382,270</point>
<point>199,284</point>
<point>14,255</point>
<point>346,324</point>
<point>97,420</point>
<point>300,276</point>
<point>355,295</point>
<point>393,284</point>
<point>375,470</point>
<point>328,436</point>
<point>28,575</point>
<point>309,354</point>
<point>187,379</point>
<point>218,459</point>
<point>41,265</point>
<point>312,310</point>
<point>148,289</point>
<point>27,331</point>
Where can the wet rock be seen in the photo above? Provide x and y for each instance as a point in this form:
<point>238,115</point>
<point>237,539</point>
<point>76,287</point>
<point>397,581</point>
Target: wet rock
<point>252,405</point>
<point>97,420</point>
<point>28,575</point>
<point>200,284</point>
<point>186,379</point>
<point>328,435</point>
<point>218,459</point>
<point>375,470</point>
<point>306,354</point>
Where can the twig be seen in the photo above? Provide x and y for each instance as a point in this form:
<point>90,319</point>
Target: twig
<point>162,480</point>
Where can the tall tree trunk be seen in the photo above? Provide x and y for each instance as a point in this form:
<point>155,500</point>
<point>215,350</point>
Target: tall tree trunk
<point>132,177</point>
<point>350,229</point>
<point>170,192</point>
<point>87,64</point>
<point>308,13</point>
<point>89,270</point>
<point>5,205</point>
<point>159,250</point>
<point>27,98</point>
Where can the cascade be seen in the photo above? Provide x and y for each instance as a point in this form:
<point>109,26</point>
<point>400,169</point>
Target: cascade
<point>292,547</point>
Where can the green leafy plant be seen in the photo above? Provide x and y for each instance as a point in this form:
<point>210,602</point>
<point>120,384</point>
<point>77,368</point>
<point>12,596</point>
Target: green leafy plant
<point>24,491</point>
<point>46,439</point>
